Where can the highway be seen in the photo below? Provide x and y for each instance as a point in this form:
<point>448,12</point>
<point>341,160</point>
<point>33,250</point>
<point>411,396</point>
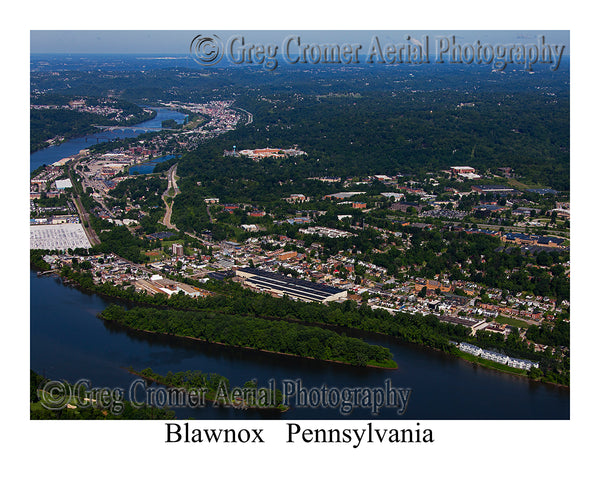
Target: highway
<point>84,216</point>
<point>85,222</point>
<point>172,185</point>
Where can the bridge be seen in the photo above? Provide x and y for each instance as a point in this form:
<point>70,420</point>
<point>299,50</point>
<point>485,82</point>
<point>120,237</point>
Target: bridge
<point>48,272</point>
<point>114,128</point>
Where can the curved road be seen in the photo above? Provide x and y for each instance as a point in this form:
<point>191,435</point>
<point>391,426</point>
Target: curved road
<point>172,185</point>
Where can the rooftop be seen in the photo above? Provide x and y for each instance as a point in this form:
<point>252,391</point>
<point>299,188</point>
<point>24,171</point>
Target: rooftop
<point>294,287</point>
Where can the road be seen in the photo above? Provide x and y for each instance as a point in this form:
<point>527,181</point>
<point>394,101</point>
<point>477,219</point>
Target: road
<point>210,218</point>
<point>84,216</point>
<point>172,185</point>
<point>85,222</point>
<point>250,117</point>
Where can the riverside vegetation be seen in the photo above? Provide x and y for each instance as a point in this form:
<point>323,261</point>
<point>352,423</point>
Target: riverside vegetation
<point>255,333</point>
<point>230,299</point>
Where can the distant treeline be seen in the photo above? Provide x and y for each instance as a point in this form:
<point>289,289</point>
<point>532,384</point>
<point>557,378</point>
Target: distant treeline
<point>410,133</point>
<point>370,120</point>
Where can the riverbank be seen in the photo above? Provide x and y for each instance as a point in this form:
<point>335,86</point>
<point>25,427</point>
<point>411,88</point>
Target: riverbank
<point>351,330</point>
<point>88,129</point>
<point>66,317</point>
<point>98,137</point>
<point>490,364</point>
<point>263,330</point>
<point>467,357</point>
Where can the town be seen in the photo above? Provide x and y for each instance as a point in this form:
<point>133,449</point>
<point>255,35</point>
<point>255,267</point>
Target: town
<point>298,266</point>
<point>334,239</point>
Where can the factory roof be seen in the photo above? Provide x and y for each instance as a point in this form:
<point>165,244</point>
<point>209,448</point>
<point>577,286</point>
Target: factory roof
<point>289,285</point>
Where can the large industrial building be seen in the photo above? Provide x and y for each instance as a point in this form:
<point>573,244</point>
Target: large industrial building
<point>458,170</point>
<point>496,189</point>
<point>276,284</point>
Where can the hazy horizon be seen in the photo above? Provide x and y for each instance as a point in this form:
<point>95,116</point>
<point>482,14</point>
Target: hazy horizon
<point>177,42</point>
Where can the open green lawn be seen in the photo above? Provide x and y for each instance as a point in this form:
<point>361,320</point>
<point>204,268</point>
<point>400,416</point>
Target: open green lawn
<point>515,322</point>
<point>154,255</point>
<point>515,183</point>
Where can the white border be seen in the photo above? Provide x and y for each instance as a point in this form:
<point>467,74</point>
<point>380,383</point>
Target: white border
<point>475,448</point>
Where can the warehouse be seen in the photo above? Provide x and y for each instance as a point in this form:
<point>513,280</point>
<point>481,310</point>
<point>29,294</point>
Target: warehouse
<point>495,189</point>
<point>276,284</point>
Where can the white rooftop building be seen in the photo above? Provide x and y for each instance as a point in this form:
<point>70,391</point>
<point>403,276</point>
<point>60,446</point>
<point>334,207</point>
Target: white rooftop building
<point>62,184</point>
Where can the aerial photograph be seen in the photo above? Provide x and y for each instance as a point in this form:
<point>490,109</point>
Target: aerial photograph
<point>300,225</point>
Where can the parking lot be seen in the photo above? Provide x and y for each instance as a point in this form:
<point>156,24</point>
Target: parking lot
<point>58,237</point>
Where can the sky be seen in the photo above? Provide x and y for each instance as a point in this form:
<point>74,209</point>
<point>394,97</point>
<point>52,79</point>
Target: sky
<point>178,41</point>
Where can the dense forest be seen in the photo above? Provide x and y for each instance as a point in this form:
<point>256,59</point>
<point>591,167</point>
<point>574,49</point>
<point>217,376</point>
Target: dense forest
<point>368,119</point>
<point>398,132</point>
<point>255,333</point>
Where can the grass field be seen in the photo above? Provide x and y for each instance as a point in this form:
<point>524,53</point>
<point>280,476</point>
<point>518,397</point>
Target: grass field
<point>195,123</point>
<point>515,322</point>
<point>515,183</point>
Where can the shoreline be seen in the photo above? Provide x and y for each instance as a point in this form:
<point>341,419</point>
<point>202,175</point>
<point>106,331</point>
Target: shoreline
<point>293,355</point>
<point>474,361</point>
<point>90,130</point>
<point>71,282</point>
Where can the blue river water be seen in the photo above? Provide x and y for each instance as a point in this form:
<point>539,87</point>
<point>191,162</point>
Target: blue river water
<point>69,341</point>
<point>71,147</point>
<point>148,167</point>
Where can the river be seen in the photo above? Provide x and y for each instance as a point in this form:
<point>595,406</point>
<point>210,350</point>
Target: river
<point>71,147</point>
<point>69,341</point>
